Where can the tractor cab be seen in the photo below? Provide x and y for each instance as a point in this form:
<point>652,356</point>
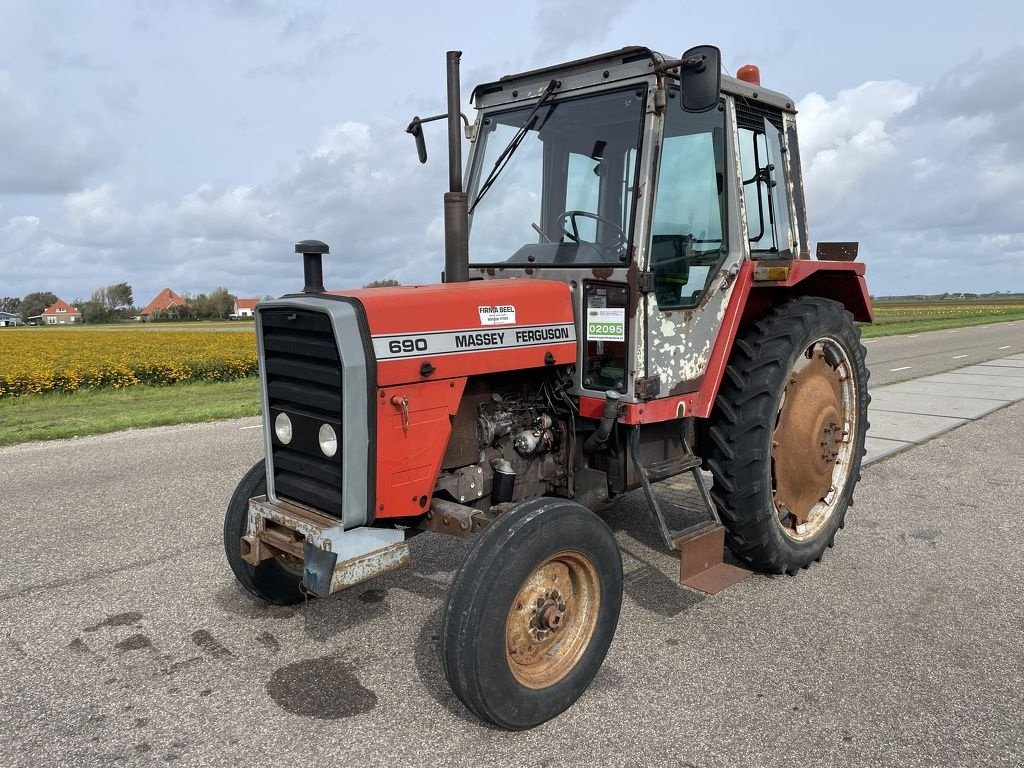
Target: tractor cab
<point>596,173</point>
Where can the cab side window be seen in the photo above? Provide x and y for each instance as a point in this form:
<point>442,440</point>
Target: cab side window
<point>688,240</point>
<point>765,184</point>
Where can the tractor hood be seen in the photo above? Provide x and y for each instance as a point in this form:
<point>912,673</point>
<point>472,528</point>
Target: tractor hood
<point>430,332</point>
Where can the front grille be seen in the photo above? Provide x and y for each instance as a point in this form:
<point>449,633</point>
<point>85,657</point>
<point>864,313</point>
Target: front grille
<point>303,375</point>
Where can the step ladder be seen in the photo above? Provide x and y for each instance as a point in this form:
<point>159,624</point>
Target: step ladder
<point>701,546</point>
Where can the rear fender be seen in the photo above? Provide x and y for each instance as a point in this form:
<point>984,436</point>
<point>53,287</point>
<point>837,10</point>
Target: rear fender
<point>755,296</point>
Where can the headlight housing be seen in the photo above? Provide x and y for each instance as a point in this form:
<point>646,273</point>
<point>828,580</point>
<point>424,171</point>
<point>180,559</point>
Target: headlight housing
<point>328,440</point>
<point>283,428</point>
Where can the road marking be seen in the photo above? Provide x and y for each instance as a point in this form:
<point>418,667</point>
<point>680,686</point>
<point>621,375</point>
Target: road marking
<point>984,326</point>
<point>255,426</point>
<point>954,330</point>
<point>957,357</point>
<point>871,341</point>
<point>914,336</point>
<point>1007,346</point>
<point>904,368</point>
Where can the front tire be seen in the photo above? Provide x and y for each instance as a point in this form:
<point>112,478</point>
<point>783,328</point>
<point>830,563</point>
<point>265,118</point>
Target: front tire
<point>275,580</point>
<point>532,612</point>
<point>787,434</point>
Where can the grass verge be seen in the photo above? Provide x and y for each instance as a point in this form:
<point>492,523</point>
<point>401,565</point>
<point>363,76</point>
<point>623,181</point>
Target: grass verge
<point>894,328</point>
<point>93,412</point>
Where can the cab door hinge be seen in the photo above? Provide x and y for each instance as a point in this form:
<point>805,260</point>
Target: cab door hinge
<point>645,282</point>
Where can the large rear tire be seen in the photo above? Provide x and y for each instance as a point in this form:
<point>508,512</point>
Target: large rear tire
<point>275,580</point>
<point>532,612</point>
<point>787,434</point>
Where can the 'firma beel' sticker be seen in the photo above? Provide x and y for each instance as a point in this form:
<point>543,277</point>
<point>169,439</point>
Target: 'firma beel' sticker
<point>497,315</point>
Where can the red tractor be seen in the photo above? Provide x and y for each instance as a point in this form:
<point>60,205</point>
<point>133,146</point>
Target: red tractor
<point>628,297</point>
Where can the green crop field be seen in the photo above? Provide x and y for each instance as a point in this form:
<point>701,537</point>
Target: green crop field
<point>894,317</point>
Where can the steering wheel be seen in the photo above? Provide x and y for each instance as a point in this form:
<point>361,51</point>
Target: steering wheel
<point>620,236</point>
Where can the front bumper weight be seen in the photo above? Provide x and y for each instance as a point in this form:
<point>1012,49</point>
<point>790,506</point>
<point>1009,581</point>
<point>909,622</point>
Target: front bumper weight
<point>332,558</point>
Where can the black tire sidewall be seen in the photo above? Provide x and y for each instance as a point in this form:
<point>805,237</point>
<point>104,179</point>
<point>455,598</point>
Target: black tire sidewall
<point>483,593</point>
<point>837,330</point>
<point>744,419</point>
<point>268,580</point>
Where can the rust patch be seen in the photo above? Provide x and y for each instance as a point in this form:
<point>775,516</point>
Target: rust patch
<point>804,445</point>
<point>686,387</point>
<point>633,284</point>
<point>603,273</point>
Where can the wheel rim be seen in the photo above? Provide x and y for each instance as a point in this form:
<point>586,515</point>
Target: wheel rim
<point>552,619</point>
<point>813,441</point>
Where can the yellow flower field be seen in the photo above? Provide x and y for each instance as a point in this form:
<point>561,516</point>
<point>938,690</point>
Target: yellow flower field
<point>901,312</point>
<point>35,360</point>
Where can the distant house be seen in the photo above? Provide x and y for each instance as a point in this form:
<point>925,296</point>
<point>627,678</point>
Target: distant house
<point>9,318</point>
<point>245,307</point>
<point>165,304</point>
<point>60,313</point>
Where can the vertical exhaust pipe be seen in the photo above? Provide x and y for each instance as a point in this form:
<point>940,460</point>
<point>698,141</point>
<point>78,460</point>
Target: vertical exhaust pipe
<point>312,264</point>
<point>456,204</point>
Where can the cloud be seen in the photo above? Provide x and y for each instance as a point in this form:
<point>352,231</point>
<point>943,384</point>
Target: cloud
<point>359,188</point>
<point>307,22</point>
<point>315,60</point>
<point>573,25</point>
<point>41,153</point>
<point>843,139</point>
<point>927,179</point>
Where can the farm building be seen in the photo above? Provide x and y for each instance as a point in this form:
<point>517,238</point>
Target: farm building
<point>8,319</point>
<point>165,304</point>
<point>59,313</point>
<point>245,307</point>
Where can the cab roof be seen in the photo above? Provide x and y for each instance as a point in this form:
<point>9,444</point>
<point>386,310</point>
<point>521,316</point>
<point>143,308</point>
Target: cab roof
<point>624,63</point>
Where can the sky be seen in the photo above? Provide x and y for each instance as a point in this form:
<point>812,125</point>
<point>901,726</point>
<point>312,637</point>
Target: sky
<point>190,143</point>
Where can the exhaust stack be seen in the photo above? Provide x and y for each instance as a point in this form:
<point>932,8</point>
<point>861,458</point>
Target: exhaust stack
<point>456,204</point>
<point>312,264</point>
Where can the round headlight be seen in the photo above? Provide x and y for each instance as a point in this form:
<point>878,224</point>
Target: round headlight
<point>328,440</point>
<point>283,428</point>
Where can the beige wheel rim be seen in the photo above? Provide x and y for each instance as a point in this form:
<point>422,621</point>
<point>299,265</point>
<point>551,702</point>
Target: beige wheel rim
<point>813,441</point>
<point>552,619</point>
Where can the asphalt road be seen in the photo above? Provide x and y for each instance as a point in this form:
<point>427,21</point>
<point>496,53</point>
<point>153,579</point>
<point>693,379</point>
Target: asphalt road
<point>125,640</point>
<point>898,358</point>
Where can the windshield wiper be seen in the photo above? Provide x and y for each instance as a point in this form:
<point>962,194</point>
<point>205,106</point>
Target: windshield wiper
<point>513,145</point>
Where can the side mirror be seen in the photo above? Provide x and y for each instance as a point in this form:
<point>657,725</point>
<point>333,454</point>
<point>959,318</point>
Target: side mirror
<point>416,129</point>
<point>700,78</point>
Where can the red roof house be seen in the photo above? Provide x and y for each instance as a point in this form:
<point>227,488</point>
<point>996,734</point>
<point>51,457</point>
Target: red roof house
<point>245,307</point>
<point>166,303</point>
<point>61,313</point>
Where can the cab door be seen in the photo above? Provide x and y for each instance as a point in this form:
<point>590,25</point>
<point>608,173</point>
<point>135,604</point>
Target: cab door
<point>697,238</point>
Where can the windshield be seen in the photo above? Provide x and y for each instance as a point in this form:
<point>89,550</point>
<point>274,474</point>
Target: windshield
<point>565,195</point>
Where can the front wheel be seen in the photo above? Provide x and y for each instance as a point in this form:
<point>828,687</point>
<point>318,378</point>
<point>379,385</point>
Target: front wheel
<point>532,612</point>
<point>277,580</point>
<point>787,434</point>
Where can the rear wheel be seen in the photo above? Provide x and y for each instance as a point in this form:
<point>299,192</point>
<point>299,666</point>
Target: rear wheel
<point>277,580</point>
<point>787,434</point>
<point>532,612</point>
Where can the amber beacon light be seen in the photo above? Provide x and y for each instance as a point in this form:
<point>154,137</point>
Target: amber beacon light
<point>749,73</point>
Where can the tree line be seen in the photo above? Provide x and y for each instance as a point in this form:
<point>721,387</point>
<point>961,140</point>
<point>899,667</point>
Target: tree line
<point>116,303</point>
